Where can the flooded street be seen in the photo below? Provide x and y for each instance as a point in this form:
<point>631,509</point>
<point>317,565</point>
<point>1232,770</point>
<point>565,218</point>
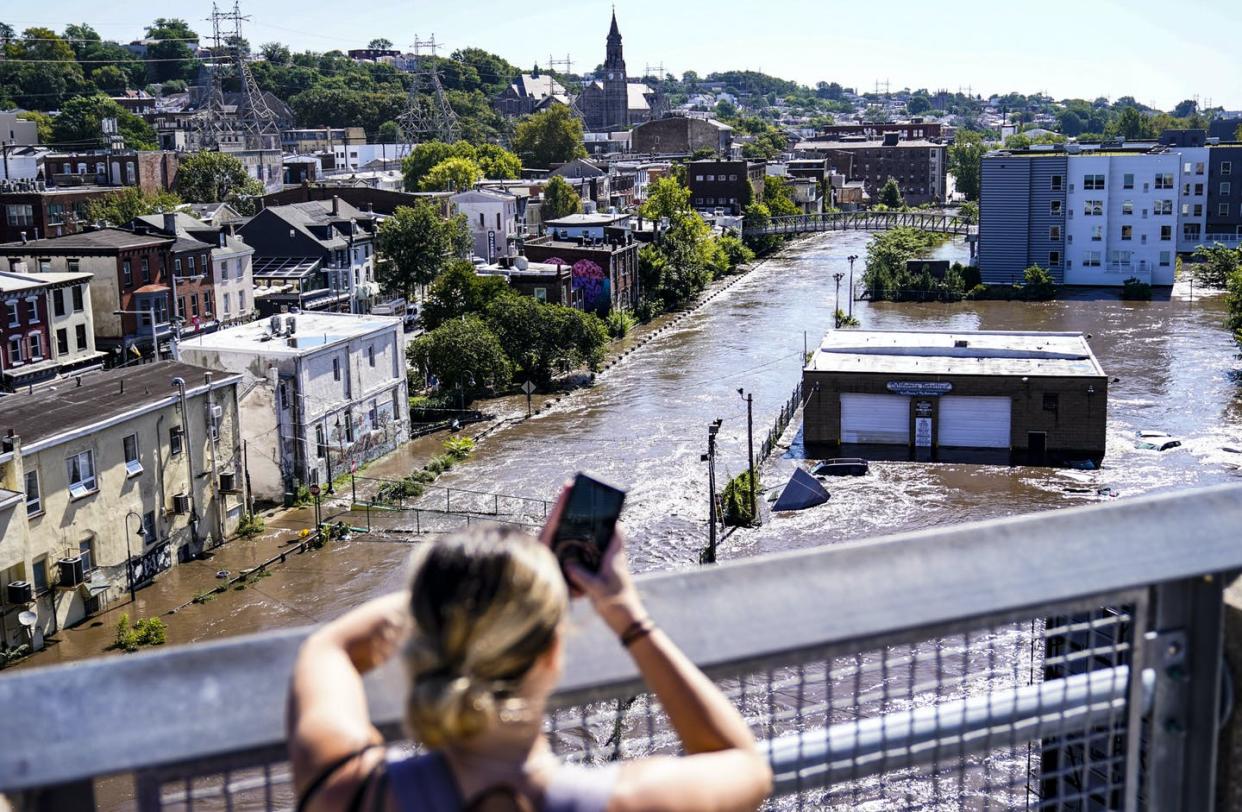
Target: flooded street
<point>644,424</point>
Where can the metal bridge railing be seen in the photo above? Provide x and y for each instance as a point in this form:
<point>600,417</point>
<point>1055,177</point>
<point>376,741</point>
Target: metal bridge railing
<point>1068,660</point>
<point>862,221</point>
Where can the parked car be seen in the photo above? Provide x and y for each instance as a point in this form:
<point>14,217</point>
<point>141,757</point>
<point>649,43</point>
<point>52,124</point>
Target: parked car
<point>1156,441</point>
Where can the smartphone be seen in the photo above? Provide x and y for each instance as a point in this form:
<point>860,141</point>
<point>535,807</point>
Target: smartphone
<point>588,522</point>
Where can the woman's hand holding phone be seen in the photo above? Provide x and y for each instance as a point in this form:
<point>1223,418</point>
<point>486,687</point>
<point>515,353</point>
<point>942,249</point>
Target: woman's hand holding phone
<point>611,590</point>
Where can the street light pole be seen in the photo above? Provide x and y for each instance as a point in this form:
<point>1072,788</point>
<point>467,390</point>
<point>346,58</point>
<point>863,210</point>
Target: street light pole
<point>129,556</point>
<point>851,259</point>
<point>836,313</point>
<point>710,457</point>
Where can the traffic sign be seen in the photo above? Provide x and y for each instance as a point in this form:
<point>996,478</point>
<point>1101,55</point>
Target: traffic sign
<point>528,388</point>
<point>314,490</point>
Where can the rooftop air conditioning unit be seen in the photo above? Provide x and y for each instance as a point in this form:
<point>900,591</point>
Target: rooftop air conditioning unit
<point>72,571</point>
<point>19,592</point>
<point>273,324</point>
<point>181,504</point>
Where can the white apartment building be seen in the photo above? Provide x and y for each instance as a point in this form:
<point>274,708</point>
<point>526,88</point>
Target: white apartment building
<point>492,217</point>
<point>1192,198</point>
<point>356,156</point>
<point>1122,218</point>
<point>320,393</point>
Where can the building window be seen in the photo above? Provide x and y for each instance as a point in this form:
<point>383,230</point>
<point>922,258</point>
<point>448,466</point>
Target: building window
<point>349,426</point>
<point>145,264</point>
<point>321,445</point>
<point>1166,232</point>
<point>1164,180</point>
<point>1054,233</point>
<point>80,335</point>
<point>127,273</point>
<point>148,527</point>
<point>371,354</point>
<point>177,266</point>
<point>22,214</point>
<point>36,347</point>
<point>1093,182</point>
<point>174,441</point>
<point>1054,208</point>
<point>78,306</point>
<point>86,551</point>
<point>58,302</point>
<point>15,350</point>
<point>1222,209</point>
<point>1163,207</point>
<point>1225,188</point>
<point>1091,260</point>
<point>1051,402</point>
<point>241,301</point>
<point>1198,210</point>
<point>373,416</point>
<point>284,396</point>
<point>1054,259</point>
<point>133,466</point>
<point>1097,233</point>
<point>194,305</point>
<point>62,341</point>
<point>1127,207</point>
<point>336,369</point>
<point>190,261</point>
<point>1057,181</point>
<point>1226,167</point>
<point>1165,259</point>
<point>15,315</point>
<point>34,501</point>
<point>81,473</point>
<point>541,294</point>
<point>1093,208</point>
<point>39,574</point>
<point>1127,232</point>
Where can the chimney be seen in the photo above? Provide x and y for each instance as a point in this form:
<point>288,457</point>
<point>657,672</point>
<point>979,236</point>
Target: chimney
<point>170,222</point>
<point>24,240</point>
<point>336,205</point>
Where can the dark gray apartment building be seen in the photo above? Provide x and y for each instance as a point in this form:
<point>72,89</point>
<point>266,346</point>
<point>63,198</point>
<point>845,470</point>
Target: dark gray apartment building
<point>919,167</point>
<point>1224,193</point>
<point>728,185</point>
<point>1022,205</point>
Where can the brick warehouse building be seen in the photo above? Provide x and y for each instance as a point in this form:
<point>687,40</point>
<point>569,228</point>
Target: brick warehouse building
<point>1007,396</point>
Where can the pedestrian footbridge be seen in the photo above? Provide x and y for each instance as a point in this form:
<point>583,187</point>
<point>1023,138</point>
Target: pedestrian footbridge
<point>863,221</point>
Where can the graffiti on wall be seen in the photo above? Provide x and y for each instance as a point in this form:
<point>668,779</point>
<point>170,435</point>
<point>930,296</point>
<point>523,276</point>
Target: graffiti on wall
<point>592,283</point>
<point>143,568</point>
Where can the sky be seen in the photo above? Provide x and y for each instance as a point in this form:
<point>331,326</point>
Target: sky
<point>1156,51</point>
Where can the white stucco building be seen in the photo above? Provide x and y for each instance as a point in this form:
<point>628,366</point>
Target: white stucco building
<point>321,392</point>
<point>493,219</point>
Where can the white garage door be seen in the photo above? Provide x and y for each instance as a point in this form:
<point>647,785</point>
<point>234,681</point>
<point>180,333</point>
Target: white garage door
<point>979,422</point>
<point>875,419</point>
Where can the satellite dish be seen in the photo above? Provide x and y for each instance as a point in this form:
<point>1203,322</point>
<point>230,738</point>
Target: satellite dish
<point>27,618</point>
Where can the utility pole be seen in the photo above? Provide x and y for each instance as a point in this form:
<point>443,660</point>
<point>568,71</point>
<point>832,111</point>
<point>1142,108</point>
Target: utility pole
<point>852,258</point>
<point>750,450</point>
<point>710,459</point>
<point>155,338</point>
<point>836,313</point>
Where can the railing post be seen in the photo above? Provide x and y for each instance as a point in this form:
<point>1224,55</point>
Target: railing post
<point>1185,653</point>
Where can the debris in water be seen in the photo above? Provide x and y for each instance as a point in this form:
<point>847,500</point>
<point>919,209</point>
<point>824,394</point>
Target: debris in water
<point>802,492</point>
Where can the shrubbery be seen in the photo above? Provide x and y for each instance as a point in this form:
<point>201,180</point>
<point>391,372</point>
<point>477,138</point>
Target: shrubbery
<point>735,501</point>
<point>1135,289</point>
<point>149,631</point>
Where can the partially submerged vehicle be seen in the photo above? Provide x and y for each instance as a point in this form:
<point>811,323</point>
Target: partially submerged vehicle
<point>1156,441</point>
<point>841,466</point>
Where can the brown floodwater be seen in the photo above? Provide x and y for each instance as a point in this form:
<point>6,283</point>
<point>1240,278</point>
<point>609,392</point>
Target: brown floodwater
<point>644,424</point>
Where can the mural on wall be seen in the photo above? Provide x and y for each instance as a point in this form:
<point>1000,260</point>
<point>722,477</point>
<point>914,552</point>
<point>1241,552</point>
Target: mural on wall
<point>142,568</point>
<point>593,284</point>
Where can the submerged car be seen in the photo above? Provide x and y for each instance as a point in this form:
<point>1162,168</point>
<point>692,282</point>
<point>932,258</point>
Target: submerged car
<point>1156,441</point>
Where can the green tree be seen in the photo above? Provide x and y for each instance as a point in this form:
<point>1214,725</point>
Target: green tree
<point>173,56</point>
<point>966,162</point>
<point>1070,123</point>
<point>129,202</point>
<point>416,243</point>
<point>111,79</point>
<point>214,177</point>
<point>497,162</point>
<point>1217,264</point>
<point>81,122</point>
<point>380,44</point>
<point>757,215</point>
<point>1233,303</point>
<point>778,197</point>
<point>452,174</point>
<point>1185,108</point>
<point>1131,124</point>
<point>917,105</point>
<point>389,133</point>
<point>459,291</point>
<point>462,354</point>
<point>667,197</point>
<point>735,252</point>
<point>1037,284</point>
<point>968,212</point>
<point>682,263</point>
<point>276,53</point>
<point>559,200</point>
<point>542,339</point>
<point>428,154</point>
<point>551,137</point>
<point>890,194</point>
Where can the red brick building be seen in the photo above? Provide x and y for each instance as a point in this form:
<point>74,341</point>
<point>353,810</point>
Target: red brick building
<point>31,209</point>
<point>25,345</point>
<point>604,275</point>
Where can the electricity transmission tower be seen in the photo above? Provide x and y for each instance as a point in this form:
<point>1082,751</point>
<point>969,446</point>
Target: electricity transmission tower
<point>253,124</point>
<point>428,115</point>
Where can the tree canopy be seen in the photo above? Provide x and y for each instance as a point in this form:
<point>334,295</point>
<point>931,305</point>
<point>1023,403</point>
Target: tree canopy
<point>127,203</point>
<point>80,123</point>
<point>214,177</point>
<point>559,200</point>
<point>551,137</point>
<point>416,243</point>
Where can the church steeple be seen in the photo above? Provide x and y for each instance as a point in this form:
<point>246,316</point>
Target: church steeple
<point>613,58</point>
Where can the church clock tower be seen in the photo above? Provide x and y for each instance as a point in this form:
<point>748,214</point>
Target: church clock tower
<point>616,93</point>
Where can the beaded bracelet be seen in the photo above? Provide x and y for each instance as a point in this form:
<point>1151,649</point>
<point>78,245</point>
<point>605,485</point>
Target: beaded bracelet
<point>636,631</point>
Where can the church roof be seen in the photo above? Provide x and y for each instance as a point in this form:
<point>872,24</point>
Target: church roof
<point>613,31</point>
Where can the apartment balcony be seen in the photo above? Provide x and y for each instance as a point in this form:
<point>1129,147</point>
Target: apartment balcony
<point>1230,240</point>
<point>1029,662</point>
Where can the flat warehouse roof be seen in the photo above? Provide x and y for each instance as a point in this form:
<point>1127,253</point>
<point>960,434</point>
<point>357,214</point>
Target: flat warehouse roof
<point>911,352</point>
